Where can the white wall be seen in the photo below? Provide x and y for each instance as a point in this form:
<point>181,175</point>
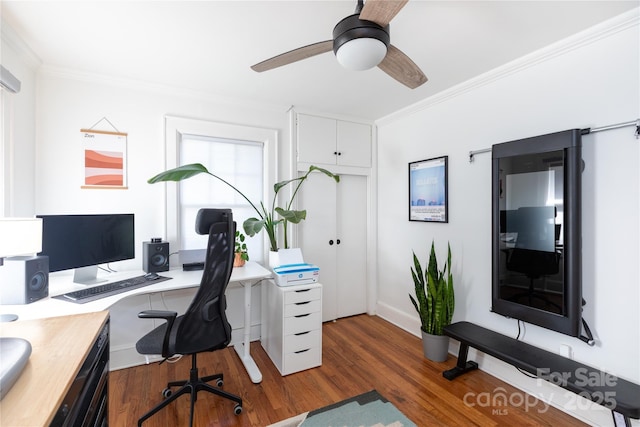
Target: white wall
<point>590,80</point>
<point>18,195</point>
<point>68,102</point>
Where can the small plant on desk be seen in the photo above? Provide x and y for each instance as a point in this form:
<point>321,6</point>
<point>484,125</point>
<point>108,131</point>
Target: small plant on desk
<point>241,254</point>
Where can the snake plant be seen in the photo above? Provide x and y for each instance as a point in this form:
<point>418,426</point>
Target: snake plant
<point>435,300</point>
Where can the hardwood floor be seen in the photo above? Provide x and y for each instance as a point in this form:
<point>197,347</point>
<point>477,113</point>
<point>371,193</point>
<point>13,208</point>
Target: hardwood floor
<point>360,353</point>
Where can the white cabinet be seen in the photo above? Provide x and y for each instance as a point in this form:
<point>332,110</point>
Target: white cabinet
<point>327,141</point>
<point>292,330</point>
<point>334,237</point>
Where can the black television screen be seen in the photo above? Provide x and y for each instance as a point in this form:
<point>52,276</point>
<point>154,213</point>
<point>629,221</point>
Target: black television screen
<point>536,192</point>
<point>82,242</point>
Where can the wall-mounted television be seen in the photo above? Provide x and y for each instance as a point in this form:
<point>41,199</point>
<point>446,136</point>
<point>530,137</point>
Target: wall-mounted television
<point>536,230</point>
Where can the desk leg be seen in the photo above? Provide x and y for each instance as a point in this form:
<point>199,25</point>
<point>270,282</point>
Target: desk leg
<point>243,349</point>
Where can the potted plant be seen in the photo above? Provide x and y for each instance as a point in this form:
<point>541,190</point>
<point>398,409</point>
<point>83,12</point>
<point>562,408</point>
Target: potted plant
<point>267,218</point>
<point>241,255</point>
<point>434,302</point>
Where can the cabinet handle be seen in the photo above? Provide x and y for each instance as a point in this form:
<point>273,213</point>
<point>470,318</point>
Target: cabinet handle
<point>335,153</point>
<point>302,315</point>
<point>301,351</point>
<point>330,242</point>
<point>338,241</point>
<point>302,303</point>
<point>302,290</point>
<point>302,333</point>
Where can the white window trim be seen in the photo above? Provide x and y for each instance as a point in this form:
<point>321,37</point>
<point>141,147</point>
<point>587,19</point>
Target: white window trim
<point>175,127</point>
<point>6,155</point>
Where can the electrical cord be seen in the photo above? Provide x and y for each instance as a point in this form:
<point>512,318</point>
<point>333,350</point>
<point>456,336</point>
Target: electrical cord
<point>525,373</point>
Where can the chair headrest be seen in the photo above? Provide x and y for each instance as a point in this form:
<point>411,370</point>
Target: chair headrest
<point>207,217</point>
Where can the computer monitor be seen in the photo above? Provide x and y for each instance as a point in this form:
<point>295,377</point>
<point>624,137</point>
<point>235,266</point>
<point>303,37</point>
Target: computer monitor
<point>81,242</point>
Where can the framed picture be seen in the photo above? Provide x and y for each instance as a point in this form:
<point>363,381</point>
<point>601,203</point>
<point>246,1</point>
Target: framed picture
<point>428,190</point>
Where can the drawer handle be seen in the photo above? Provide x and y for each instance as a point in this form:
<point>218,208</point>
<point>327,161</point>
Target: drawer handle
<point>303,290</point>
<point>301,351</point>
<point>303,315</point>
<point>302,333</point>
<point>303,303</point>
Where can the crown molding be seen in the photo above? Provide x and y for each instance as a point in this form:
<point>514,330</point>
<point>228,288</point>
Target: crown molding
<point>13,40</point>
<point>157,88</point>
<point>591,35</point>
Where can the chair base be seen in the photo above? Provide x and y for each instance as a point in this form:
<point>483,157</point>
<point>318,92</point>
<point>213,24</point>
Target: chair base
<point>192,386</point>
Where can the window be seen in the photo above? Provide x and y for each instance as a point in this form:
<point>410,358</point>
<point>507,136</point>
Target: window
<point>241,155</point>
<point>237,162</point>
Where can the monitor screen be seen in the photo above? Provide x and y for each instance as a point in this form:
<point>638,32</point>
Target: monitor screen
<point>84,241</point>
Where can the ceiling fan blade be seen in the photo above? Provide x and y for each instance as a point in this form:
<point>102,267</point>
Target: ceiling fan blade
<point>381,11</point>
<point>293,56</point>
<point>402,68</point>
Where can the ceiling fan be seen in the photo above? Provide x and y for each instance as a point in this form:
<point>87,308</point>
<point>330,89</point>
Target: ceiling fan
<point>360,41</point>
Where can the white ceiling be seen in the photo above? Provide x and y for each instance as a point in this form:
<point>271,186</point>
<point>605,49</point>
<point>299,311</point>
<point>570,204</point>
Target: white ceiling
<point>209,46</point>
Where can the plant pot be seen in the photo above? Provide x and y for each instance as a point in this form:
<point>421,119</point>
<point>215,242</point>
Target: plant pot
<point>274,259</point>
<point>435,347</point>
<point>284,256</point>
<point>237,260</point>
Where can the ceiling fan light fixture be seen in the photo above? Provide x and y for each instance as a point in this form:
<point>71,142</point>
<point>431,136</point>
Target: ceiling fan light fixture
<point>359,44</point>
<point>361,54</point>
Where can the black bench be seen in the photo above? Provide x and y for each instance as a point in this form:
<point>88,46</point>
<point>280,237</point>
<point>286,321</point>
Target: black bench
<point>621,396</point>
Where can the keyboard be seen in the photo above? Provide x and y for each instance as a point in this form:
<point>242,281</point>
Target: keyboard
<point>101,291</point>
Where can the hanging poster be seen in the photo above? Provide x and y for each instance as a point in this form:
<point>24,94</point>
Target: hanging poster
<point>105,159</point>
<point>428,190</point>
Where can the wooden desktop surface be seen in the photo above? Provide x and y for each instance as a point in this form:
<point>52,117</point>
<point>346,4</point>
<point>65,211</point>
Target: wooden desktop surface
<point>59,347</point>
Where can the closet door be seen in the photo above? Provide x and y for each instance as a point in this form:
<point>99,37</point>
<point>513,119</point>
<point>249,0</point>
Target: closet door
<point>351,253</point>
<point>334,238</point>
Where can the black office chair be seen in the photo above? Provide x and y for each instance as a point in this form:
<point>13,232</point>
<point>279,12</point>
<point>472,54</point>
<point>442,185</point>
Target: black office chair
<point>534,265</point>
<point>204,326</point>
<point>534,254</point>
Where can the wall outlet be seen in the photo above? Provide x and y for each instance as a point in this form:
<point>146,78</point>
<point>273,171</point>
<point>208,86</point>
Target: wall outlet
<point>565,351</point>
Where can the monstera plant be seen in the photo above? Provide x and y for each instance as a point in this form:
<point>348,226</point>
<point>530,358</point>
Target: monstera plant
<point>266,217</point>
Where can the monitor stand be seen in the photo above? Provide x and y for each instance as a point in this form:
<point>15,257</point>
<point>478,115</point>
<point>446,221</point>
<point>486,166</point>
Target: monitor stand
<point>87,275</point>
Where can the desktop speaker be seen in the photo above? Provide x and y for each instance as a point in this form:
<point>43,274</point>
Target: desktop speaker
<point>24,280</point>
<point>155,256</point>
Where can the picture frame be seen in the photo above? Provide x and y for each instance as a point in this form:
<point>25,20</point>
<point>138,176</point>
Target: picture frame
<point>429,190</point>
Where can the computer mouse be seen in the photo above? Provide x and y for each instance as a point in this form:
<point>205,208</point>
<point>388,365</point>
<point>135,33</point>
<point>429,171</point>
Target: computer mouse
<point>151,276</point>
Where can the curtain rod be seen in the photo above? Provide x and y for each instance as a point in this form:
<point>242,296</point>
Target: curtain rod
<point>585,131</point>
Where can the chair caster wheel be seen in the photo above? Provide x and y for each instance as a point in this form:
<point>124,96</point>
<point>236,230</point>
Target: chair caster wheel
<point>237,410</point>
<point>220,383</point>
<point>166,393</point>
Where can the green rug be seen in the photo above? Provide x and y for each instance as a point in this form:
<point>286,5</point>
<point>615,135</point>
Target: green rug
<point>366,410</point>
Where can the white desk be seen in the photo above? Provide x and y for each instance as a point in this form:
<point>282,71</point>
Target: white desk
<point>247,276</point>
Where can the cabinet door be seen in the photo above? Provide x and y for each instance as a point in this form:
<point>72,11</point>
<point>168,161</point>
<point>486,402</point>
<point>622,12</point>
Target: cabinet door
<point>334,238</point>
<point>353,144</point>
<point>316,139</point>
<point>317,235</point>
<point>352,250</point>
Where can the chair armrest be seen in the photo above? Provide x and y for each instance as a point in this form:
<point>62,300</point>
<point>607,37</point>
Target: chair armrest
<point>170,317</point>
<point>157,314</point>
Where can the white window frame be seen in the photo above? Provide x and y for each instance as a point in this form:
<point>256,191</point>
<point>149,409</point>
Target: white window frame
<point>6,141</point>
<point>176,127</point>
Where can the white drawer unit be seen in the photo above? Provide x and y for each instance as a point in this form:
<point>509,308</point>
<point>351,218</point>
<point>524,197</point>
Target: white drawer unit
<point>292,336</point>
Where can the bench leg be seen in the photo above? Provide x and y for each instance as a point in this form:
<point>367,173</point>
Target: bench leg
<point>462,366</point>
<point>620,420</point>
